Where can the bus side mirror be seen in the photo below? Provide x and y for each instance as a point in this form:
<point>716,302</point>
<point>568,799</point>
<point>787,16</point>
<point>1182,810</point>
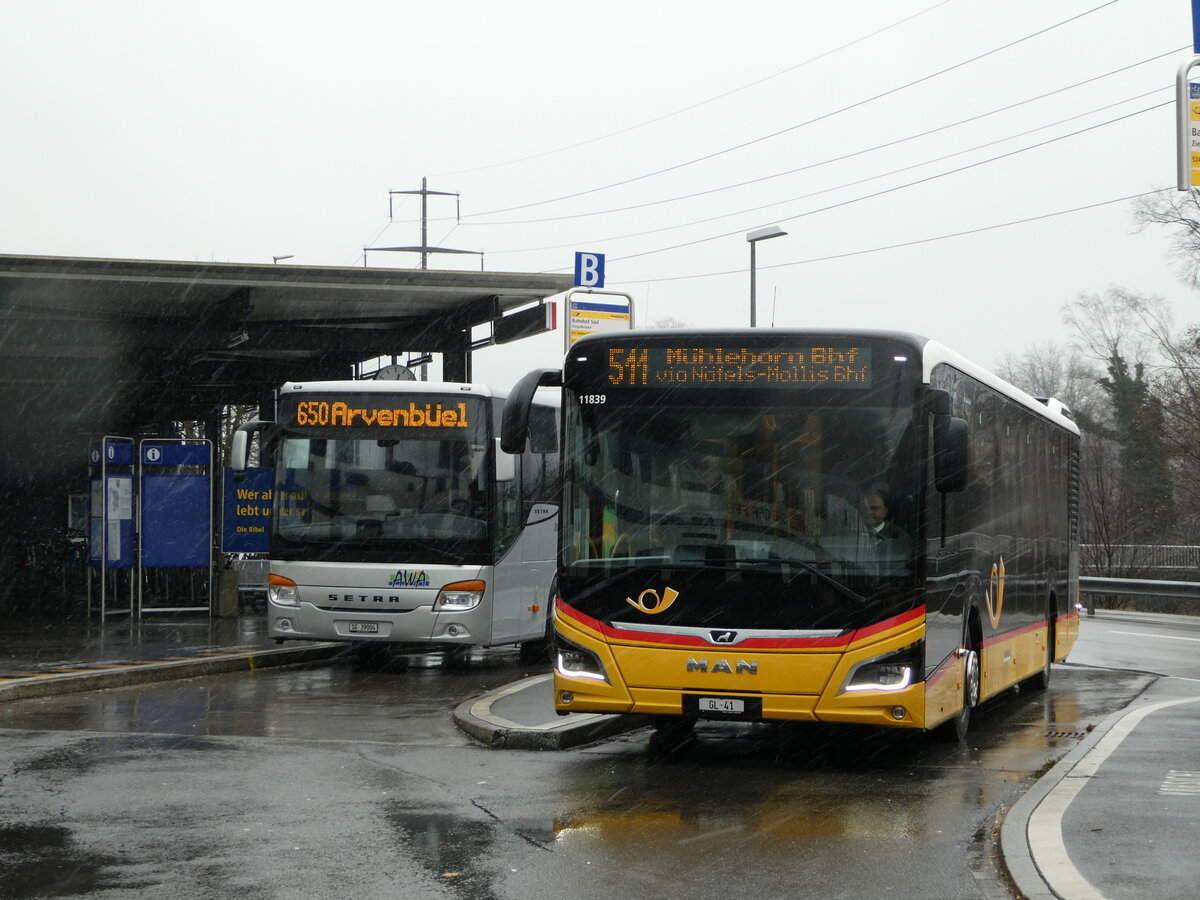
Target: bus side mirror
<point>950,453</point>
<point>506,464</point>
<point>514,421</point>
<point>239,451</point>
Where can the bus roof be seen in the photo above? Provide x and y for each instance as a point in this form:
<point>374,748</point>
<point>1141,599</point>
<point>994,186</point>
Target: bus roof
<point>369,386</point>
<point>932,353</point>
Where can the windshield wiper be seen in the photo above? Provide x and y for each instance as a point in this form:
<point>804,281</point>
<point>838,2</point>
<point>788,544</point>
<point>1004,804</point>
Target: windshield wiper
<point>813,570</point>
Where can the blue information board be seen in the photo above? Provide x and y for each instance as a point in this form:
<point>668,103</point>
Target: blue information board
<point>176,519</point>
<point>246,511</point>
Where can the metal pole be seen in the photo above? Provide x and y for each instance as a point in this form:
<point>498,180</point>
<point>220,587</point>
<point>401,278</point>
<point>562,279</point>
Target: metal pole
<point>752,301</point>
<point>1183,156</point>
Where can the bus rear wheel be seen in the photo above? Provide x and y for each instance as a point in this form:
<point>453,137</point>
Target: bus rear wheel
<point>1041,680</point>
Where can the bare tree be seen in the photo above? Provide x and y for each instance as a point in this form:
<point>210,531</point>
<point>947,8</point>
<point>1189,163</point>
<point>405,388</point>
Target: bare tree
<point>1180,211</point>
<point>1052,370</point>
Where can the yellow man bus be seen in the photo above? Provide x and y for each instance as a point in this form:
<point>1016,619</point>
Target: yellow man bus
<point>842,526</point>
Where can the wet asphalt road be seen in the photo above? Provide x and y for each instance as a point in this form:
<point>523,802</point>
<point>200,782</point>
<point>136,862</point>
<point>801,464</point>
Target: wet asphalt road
<point>333,781</point>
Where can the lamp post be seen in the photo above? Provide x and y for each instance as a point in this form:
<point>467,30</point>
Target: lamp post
<point>276,259</point>
<point>753,237</point>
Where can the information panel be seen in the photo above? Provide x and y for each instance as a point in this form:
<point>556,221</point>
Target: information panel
<point>175,520</point>
<point>671,367</point>
<point>246,520</point>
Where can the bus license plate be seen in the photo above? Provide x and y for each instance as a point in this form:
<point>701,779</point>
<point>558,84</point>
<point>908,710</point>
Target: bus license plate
<point>364,628</point>
<point>722,705</point>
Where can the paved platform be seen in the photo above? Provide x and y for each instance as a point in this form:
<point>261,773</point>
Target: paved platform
<point>56,657</point>
<point>1118,817</point>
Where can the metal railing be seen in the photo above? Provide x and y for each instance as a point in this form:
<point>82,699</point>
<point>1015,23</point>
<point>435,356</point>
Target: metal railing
<point>1154,557</point>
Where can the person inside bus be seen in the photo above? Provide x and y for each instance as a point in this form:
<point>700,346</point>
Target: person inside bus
<point>888,545</point>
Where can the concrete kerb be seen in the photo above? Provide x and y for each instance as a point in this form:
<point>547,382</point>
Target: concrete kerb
<point>125,674</point>
<point>477,719</point>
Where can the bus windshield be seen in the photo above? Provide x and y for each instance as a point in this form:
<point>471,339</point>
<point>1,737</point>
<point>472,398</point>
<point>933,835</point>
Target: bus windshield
<point>710,482</point>
<point>420,493</point>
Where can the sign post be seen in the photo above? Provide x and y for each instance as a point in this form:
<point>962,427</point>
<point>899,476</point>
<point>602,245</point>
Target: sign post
<point>589,309</point>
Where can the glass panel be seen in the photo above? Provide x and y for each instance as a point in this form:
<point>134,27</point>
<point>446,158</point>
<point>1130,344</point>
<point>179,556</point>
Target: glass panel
<point>745,482</point>
<point>426,489</point>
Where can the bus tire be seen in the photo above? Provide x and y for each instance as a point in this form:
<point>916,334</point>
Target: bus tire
<point>671,732</point>
<point>369,655</point>
<point>1041,680</point>
<point>532,653</point>
<point>956,729</point>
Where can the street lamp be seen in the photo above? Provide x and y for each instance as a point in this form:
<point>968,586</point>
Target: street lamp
<point>276,259</point>
<point>753,237</point>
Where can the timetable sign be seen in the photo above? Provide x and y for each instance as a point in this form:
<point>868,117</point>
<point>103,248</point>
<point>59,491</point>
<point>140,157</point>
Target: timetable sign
<point>1194,134</point>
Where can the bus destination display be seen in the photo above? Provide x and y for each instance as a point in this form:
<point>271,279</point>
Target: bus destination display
<point>371,412</point>
<point>682,367</point>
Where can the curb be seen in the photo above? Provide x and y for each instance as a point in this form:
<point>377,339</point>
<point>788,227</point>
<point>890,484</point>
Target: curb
<point>476,718</point>
<point>125,674</point>
<point>1014,833</point>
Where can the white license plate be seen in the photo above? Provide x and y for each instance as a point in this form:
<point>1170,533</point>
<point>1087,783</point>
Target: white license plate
<point>727,705</point>
<point>364,628</point>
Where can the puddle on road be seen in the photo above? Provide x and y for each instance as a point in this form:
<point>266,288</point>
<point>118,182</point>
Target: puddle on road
<point>42,861</point>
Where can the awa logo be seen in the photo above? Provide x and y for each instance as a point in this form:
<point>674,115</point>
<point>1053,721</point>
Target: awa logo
<point>649,602</point>
<point>405,578</point>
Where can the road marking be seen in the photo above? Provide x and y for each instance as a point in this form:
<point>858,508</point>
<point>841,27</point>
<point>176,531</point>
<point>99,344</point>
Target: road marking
<point>1044,831</point>
<point>1185,784</point>
<point>1165,637</point>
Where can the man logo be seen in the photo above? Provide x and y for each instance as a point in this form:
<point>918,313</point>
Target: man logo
<point>723,637</point>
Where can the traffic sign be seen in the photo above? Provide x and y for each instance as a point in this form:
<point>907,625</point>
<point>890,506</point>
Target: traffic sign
<point>589,270</point>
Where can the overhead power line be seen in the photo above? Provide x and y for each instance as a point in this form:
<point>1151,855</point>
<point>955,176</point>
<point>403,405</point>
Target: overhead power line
<point>901,187</point>
<point>841,158</point>
<point>828,190</point>
<point>799,125</point>
<point>913,243</point>
<point>685,109</point>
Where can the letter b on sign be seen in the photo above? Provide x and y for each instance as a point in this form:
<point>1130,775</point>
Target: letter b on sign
<point>589,270</point>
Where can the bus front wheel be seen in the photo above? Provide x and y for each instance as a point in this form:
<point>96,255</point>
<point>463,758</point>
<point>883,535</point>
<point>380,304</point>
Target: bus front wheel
<point>956,728</point>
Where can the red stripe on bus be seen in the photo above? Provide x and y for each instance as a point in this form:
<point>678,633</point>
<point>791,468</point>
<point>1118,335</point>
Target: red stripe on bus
<point>685,640</point>
<point>1009,635</point>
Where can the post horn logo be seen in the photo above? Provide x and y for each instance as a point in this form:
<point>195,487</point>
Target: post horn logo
<point>995,590</point>
<point>649,602</point>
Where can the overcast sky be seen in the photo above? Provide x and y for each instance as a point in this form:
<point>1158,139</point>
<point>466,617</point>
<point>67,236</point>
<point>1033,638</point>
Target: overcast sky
<point>657,133</point>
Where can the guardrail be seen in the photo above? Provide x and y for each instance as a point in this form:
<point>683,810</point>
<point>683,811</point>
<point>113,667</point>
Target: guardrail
<point>1140,587</point>
<point>1141,556</point>
<point>1186,591</point>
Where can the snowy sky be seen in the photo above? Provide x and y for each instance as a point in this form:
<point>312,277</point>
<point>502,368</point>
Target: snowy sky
<point>657,133</point>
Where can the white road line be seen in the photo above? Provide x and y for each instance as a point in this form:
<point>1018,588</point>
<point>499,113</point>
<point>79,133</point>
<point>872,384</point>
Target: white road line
<point>1165,637</point>
<point>1044,831</point>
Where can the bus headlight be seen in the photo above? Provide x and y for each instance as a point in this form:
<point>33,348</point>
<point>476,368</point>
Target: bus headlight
<point>890,672</point>
<point>282,591</point>
<point>573,661</point>
<point>459,596</point>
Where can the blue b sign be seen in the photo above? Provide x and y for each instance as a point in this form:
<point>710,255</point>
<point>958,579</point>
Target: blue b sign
<point>589,270</point>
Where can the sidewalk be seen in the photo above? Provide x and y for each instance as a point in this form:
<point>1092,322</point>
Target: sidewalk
<point>1119,816</point>
<point>62,656</point>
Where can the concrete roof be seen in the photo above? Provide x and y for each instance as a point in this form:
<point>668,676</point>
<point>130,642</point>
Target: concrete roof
<point>94,346</point>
